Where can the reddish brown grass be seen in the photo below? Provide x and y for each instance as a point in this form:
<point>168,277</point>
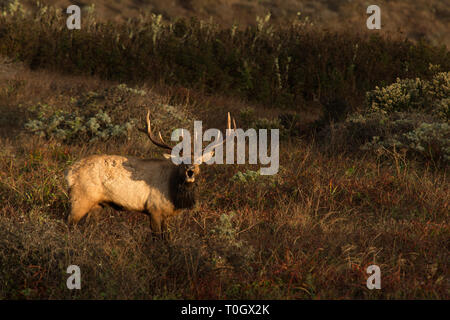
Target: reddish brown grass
<point>307,233</point>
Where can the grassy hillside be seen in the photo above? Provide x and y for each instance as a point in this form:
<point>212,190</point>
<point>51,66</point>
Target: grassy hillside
<point>363,160</point>
<point>291,66</point>
<point>308,232</point>
<point>421,19</point>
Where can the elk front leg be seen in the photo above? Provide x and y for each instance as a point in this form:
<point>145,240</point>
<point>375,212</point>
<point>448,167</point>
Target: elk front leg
<point>93,214</point>
<point>165,229</point>
<point>79,208</point>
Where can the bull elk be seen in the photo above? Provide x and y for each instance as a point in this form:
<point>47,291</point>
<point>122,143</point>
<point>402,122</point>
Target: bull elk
<point>156,187</point>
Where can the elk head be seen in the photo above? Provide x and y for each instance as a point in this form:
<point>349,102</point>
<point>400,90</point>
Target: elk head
<point>187,173</point>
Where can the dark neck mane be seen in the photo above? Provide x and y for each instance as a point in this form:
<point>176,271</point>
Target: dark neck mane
<point>183,194</point>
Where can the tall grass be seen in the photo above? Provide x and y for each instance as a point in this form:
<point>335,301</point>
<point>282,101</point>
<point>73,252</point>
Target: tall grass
<point>279,66</point>
<point>307,233</point>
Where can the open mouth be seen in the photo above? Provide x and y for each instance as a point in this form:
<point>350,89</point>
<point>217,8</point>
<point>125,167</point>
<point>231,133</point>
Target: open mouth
<point>190,176</point>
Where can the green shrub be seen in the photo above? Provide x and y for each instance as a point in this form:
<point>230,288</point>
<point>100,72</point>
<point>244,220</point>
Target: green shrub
<point>247,117</point>
<point>282,66</point>
<point>400,96</point>
<point>417,135</point>
<point>408,115</point>
<point>264,123</point>
<point>227,248</point>
<point>125,88</point>
<point>248,176</point>
<point>431,140</point>
<point>413,94</point>
<point>249,120</point>
<point>70,127</point>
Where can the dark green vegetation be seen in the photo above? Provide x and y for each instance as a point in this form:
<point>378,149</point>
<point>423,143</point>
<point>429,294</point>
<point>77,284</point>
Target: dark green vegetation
<point>342,200</point>
<point>277,66</point>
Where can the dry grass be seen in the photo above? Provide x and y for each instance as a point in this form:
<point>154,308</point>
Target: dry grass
<point>292,66</point>
<point>308,232</point>
<point>421,19</point>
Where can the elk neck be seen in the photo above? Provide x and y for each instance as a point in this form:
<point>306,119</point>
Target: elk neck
<point>183,194</point>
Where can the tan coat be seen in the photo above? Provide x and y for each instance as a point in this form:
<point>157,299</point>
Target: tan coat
<point>156,187</point>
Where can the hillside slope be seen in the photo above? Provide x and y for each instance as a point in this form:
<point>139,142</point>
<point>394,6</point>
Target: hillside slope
<point>428,19</point>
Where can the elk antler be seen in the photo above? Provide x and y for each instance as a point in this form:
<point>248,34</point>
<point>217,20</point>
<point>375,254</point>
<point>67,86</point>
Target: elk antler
<point>228,128</point>
<point>161,143</point>
<point>164,145</point>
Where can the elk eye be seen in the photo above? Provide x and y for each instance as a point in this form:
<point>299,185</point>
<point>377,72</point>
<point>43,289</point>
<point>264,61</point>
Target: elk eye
<point>190,173</point>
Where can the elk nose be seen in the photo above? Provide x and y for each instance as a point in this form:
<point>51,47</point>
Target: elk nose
<point>190,173</point>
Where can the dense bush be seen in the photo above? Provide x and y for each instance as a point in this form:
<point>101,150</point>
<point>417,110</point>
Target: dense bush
<point>226,247</point>
<point>245,177</point>
<point>410,115</point>
<point>431,140</point>
<point>286,123</point>
<point>110,112</point>
<point>376,132</point>
<point>401,132</point>
<point>414,94</point>
<point>70,127</point>
<point>278,66</point>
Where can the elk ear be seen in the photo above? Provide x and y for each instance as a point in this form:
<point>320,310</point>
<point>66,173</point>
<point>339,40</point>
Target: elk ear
<point>207,156</point>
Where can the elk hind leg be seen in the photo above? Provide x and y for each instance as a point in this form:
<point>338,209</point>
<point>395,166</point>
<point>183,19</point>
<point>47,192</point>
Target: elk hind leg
<point>157,224</point>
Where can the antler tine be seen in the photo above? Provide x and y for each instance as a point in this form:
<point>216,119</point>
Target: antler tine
<point>229,123</point>
<point>160,137</point>
<point>229,126</point>
<point>226,135</point>
<point>161,144</point>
